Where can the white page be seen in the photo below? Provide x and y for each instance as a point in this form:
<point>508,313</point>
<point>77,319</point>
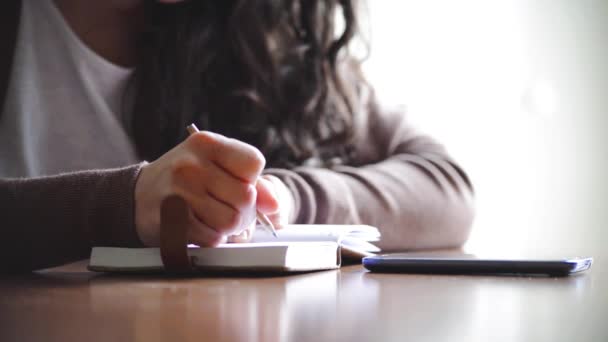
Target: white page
<point>317,232</point>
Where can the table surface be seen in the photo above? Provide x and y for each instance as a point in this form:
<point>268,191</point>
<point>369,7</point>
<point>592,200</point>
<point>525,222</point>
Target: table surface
<point>350,304</point>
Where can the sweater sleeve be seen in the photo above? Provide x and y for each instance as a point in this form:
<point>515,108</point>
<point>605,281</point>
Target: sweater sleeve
<point>50,221</point>
<point>403,182</point>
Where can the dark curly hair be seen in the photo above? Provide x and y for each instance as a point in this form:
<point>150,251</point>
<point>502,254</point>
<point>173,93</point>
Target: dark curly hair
<point>267,72</point>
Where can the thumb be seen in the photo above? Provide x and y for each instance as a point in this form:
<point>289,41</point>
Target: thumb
<point>267,199</point>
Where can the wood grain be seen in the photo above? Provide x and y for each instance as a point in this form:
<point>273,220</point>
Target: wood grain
<point>71,304</point>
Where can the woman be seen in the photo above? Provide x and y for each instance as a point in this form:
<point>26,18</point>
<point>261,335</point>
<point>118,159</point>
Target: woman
<point>93,90</point>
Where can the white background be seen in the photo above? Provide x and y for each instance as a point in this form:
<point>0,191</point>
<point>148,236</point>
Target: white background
<point>517,91</point>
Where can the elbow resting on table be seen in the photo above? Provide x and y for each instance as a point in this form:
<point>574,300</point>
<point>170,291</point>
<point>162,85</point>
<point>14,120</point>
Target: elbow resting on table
<point>439,213</point>
<point>431,230</point>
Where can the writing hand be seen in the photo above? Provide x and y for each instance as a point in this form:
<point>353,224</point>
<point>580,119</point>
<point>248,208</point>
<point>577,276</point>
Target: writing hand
<point>273,199</point>
<point>217,177</point>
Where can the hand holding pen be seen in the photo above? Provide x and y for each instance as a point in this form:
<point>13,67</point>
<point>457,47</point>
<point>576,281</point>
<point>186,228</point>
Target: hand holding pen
<point>262,218</point>
<point>220,179</point>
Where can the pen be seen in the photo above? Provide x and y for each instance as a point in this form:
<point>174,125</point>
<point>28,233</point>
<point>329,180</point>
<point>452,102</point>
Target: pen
<point>262,218</point>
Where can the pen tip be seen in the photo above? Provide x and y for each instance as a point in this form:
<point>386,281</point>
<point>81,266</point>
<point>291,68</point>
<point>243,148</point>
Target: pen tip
<point>192,129</point>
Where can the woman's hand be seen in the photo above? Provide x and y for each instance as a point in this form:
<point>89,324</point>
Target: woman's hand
<point>275,201</point>
<point>271,189</point>
<point>219,179</point>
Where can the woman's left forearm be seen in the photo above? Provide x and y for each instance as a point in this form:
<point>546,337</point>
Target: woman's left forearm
<point>417,201</point>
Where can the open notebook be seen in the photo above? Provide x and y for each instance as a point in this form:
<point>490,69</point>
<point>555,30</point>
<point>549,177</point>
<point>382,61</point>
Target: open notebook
<point>297,248</point>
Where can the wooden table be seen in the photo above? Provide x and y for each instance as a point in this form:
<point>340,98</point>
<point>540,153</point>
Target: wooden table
<point>71,304</point>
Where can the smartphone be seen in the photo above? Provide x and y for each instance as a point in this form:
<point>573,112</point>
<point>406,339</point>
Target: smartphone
<point>403,263</point>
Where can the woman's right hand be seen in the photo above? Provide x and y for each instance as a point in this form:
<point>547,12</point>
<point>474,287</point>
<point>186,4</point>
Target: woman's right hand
<point>216,176</point>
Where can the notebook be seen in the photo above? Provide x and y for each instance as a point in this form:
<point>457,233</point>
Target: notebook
<point>298,248</point>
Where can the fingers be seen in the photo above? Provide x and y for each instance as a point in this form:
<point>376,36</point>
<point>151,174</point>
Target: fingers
<point>241,160</point>
<point>228,189</point>
<point>279,220</point>
<point>214,174</point>
<point>203,235</point>
<point>274,200</point>
<point>267,198</point>
<point>218,181</point>
<point>216,215</point>
<point>219,200</point>
<point>244,236</point>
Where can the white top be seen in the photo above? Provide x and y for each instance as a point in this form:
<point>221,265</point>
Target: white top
<point>64,102</point>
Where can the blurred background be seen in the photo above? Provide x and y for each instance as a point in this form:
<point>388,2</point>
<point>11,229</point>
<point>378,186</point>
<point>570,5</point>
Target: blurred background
<point>516,90</point>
